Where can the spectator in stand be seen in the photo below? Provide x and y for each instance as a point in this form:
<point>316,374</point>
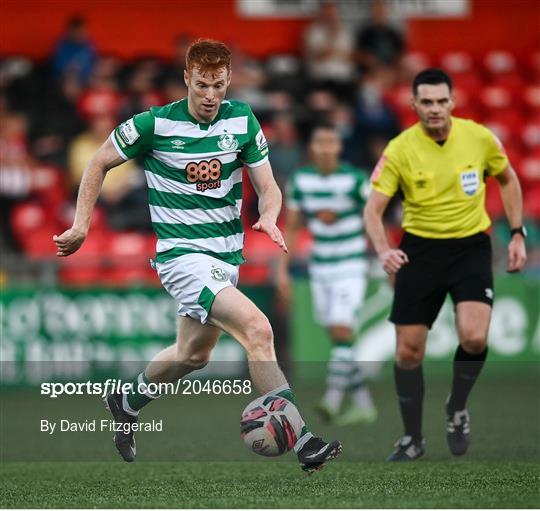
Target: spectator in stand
<point>16,175</point>
<point>286,153</point>
<point>141,93</point>
<point>75,52</point>
<point>56,121</point>
<point>376,123</point>
<point>329,52</point>
<point>379,46</point>
<point>123,195</point>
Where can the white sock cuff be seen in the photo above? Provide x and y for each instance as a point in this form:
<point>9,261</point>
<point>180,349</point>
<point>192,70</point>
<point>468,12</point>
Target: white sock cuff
<point>277,390</point>
<point>302,441</point>
<point>127,408</point>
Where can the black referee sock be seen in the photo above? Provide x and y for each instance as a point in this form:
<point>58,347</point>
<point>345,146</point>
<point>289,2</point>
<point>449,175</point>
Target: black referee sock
<point>467,367</point>
<point>410,391</point>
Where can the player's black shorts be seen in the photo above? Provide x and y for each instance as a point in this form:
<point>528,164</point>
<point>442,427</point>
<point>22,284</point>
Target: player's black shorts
<point>461,267</point>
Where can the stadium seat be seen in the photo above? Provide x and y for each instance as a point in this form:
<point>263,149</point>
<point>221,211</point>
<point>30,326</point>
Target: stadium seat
<point>128,255</point>
<point>48,185</point>
<point>40,244</point>
<point>494,204</point>
<point>499,62</point>
<point>457,62</point>
<point>413,62</point>
<point>531,203</point>
<point>530,169</point>
<point>530,135</point>
<point>29,217</point>
<point>531,100</point>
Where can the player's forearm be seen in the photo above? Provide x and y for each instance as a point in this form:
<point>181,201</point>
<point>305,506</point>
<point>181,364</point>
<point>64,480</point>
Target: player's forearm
<point>89,189</point>
<point>270,203</point>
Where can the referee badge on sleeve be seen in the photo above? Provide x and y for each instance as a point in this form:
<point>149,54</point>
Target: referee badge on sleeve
<point>470,181</point>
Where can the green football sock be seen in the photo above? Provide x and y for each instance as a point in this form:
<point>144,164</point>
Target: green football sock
<point>288,394</point>
<point>139,395</point>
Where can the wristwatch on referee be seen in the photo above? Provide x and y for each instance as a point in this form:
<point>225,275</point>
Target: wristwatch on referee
<point>519,230</point>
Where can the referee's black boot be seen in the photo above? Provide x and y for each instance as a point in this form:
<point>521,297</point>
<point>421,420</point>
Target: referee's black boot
<point>458,430</point>
<point>407,449</point>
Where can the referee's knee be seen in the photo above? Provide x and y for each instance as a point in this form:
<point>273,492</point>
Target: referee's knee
<point>409,357</point>
<point>474,344</point>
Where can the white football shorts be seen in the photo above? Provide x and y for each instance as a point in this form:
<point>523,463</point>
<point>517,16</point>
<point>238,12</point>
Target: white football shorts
<point>194,280</point>
<point>337,302</point>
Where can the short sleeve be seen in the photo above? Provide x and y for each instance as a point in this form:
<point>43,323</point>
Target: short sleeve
<point>255,151</point>
<point>134,137</point>
<point>292,194</point>
<point>496,159</point>
<point>385,176</point>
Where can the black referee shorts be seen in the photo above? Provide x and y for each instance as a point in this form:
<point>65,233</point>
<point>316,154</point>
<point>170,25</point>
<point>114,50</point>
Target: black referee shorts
<point>461,267</point>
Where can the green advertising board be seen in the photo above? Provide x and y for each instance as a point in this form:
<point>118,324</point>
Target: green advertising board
<point>514,332</point>
<point>75,333</point>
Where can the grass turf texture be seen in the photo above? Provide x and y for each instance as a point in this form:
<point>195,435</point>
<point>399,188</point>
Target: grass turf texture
<point>279,485</point>
<point>194,464</point>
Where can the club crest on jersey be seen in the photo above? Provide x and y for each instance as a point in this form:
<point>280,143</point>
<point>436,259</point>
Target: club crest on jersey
<point>470,181</point>
<point>219,274</point>
<point>227,142</point>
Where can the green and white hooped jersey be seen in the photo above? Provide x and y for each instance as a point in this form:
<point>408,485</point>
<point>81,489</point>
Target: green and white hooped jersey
<point>332,205</point>
<point>194,175</point>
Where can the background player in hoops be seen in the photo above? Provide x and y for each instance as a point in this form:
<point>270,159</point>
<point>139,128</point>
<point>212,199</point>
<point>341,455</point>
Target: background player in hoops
<point>440,165</point>
<point>330,194</point>
<point>194,151</point>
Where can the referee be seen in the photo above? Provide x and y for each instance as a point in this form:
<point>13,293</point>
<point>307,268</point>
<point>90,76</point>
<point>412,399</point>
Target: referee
<point>439,166</point>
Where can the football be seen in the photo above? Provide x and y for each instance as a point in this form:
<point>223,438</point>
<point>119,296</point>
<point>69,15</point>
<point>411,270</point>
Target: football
<point>270,425</point>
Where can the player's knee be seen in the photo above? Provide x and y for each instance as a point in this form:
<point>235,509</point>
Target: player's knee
<point>259,335</point>
<point>474,343</point>
<point>340,333</point>
<point>197,360</point>
<point>409,356</point>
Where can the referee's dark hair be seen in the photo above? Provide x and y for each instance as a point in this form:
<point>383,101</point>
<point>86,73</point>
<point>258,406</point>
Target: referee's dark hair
<point>431,76</point>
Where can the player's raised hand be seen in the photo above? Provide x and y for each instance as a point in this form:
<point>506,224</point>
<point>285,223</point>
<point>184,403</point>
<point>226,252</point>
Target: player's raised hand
<point>517,254</point>
<point>392,260</point>
<point>69,241</point>
<point>272,231</point>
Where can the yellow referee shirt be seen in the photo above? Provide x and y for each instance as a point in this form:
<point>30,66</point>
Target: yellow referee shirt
<point>443,186</point>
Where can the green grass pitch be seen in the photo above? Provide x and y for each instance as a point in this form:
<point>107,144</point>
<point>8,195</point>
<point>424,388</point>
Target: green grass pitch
<point>199,460</point>
<point>278,485</point>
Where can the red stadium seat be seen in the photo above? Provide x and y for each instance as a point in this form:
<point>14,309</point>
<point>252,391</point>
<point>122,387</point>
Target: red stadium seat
<point>533,67</point>
<point>530,169</point>
<point>48,185</point>
<point>495,97</point>
<point>499,62</point>
<point>530,135</point>
<point>128,255</point>
<point>255,274</point>
<point>29,217</point>
<point>494,204</point>
<point>413,62</point>
<point>40,244</point>
<point>399,98</point>
<point>531,202</point>
<point>531,99</point>
<point>457,62</point>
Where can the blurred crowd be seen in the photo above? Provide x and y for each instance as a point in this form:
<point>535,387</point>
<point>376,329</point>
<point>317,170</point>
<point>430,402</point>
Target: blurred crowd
<point>55,114</point>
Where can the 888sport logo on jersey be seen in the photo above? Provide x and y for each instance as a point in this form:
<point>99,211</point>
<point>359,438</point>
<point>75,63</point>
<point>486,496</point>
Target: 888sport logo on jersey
<point>207,174</point>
